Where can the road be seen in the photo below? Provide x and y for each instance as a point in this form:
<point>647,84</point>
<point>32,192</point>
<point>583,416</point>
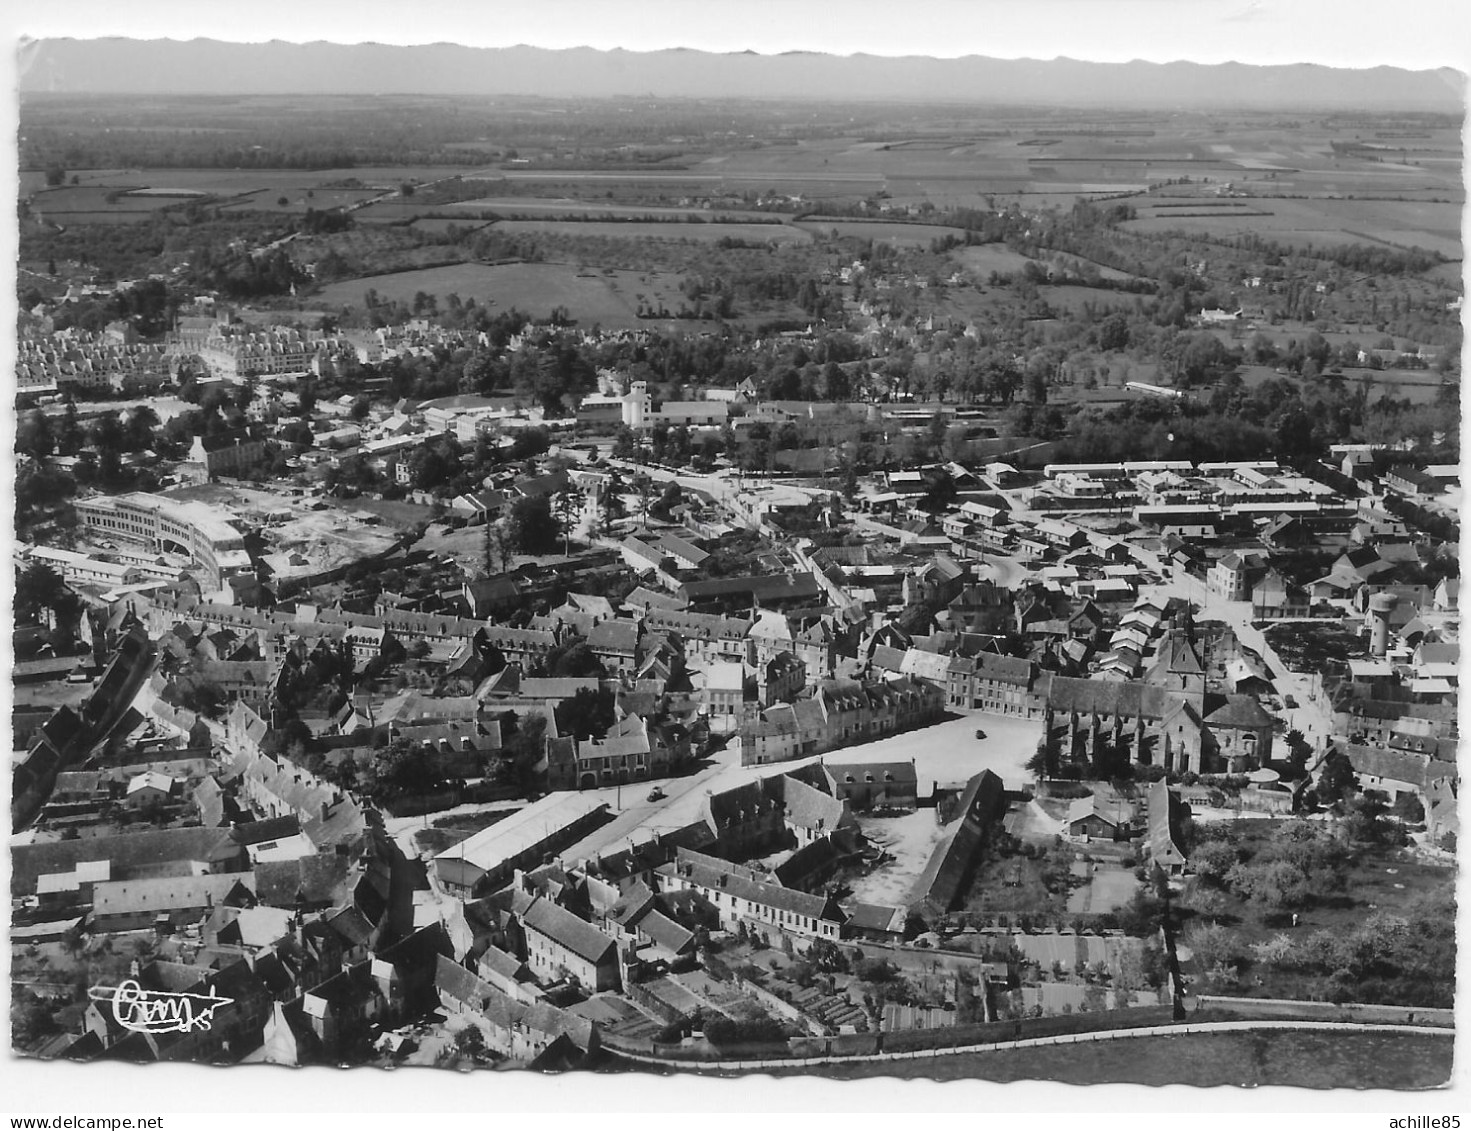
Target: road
<point>1313,715</point>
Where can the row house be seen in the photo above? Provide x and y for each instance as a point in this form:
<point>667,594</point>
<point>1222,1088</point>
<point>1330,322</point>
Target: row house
<point>989,682</point>
<point>634,749</point>
<point>706,637</point>
<point>740,900</point>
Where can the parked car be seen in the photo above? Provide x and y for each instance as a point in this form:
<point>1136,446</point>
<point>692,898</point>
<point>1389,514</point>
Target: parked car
<point>1290,702</point>
<point>980,733</point>
<point>656,794</point>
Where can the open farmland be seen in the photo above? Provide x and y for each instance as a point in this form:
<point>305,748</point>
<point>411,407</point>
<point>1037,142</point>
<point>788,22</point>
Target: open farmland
<point>658,230</point>
<point>910,235</point>
<point>533,288</point>
<point>440,225</point>
<point>516,207</point>
<point>1434,226</point>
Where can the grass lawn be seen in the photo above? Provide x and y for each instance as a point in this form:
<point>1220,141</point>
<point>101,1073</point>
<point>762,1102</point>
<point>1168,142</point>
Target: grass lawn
<point>1281,1057</point>
<point>1012,885</point>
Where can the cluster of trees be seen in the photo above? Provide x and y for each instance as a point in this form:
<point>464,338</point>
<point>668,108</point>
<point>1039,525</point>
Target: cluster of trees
<point>1405,957</point>
<point>1303,863</point>
<point>41,596</point>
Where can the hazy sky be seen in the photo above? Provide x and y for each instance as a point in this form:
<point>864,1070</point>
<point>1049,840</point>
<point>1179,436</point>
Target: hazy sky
<point>1409,33</point>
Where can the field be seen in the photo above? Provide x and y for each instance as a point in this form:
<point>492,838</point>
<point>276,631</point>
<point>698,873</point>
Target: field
<point>1434,226</point>
<point>439,225</point>
<point>1418,386</point>
<point>885,231</point>
<point>1269,1057</point>
<point>658,230</point>
<point>533,288</point>
<point>530,207</point>
<point>986,258</point>
<point>245,190</point>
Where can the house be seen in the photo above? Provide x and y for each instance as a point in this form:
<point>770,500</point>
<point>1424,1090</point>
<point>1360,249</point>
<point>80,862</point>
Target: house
<point>873,785</point>
<point>151,790</point>
<point>741,901</point>
<point>990,682</point>
<point>1274,598</point>
<point>725,695</point>
<point>1099,818</point>
<point>1408,480</point>
<point>559,945</point>
<point>230,454</point>
<point>1231,576</point>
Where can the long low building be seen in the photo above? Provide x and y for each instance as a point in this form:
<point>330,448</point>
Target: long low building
<point>489,859</point>
<point>203,532</point>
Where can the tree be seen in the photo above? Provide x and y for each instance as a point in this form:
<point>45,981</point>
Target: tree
<point>1213,860</point>
<point>587,714</point>
<point>470,1042</point>
<point>568,502</point>
<point>1212,945</point>
<point>39,588</point>
<point>33,435</point>
<point>532,527</point>
<point>1337,781</point>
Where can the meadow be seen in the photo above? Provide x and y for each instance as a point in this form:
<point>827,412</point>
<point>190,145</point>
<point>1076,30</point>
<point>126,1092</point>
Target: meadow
<point>536,289</point>
<point>658,230</point>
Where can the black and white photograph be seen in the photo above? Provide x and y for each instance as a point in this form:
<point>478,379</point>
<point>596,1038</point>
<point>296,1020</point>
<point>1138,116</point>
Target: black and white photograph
<point>597,556</point>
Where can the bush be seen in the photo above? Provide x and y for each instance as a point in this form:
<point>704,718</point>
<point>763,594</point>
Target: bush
<point>724,1031</point>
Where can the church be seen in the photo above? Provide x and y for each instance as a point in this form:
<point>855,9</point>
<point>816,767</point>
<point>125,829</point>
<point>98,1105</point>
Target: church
<point>1168,718</point>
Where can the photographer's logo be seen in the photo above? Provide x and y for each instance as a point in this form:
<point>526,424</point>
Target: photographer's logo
<point>158,1011</point>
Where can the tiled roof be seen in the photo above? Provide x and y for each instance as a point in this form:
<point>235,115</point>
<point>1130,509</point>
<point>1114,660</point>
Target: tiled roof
<point>567,930</point>
<point>714,874</point>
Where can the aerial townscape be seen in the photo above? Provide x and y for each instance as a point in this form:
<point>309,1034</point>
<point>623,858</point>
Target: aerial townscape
<point>846,585</point>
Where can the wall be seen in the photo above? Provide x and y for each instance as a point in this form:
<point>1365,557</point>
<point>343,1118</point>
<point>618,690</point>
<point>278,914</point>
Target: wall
<point>1228,1008</point>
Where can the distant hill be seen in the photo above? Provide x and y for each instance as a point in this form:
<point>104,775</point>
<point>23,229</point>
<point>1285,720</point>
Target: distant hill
<point>204,66</point>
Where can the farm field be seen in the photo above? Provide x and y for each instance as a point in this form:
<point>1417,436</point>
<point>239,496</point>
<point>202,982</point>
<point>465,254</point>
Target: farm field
<point>260,188</point>
<point>266,200</point>
<point>1431,225</point>
<point>511,207</point>
<point>910,235</point>
<point>659,230</point>
<point>534,288</point>
<point>441,224</point>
